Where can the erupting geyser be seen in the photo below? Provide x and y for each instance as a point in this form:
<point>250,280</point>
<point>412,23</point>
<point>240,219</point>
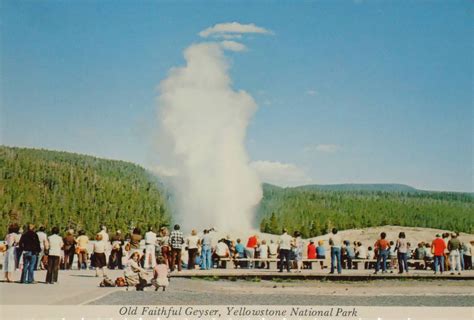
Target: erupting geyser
<point>203,124</point>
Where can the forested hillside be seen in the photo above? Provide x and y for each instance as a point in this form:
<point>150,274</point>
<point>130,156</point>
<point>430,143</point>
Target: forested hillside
<point>71,190</point>
<point>314,211</point>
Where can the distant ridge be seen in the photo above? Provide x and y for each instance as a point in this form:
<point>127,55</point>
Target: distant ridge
<point>384,187</point>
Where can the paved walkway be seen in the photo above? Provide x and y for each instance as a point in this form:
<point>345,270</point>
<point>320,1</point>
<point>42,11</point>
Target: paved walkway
<point>81,287</point>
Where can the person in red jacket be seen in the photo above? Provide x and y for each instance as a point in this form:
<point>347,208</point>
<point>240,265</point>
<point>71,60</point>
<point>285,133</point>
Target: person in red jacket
<point>311,250</point>
<point>437,248</point>
<point>250,249</point>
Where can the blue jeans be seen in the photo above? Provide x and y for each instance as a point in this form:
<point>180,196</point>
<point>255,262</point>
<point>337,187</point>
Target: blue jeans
<point>439,261</point>
<point>402,262</point>
<point>336,255</point>
<point>206,257</point>
<point>382,257</point>
<point>29,262</point>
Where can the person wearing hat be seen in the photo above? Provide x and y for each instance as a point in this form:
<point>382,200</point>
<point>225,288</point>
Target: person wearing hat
<point>437,247</point>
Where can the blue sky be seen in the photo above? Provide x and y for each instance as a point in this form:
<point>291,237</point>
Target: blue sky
<point>348,91</point>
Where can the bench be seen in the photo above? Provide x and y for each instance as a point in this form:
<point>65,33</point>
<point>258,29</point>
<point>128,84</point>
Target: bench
<point>356,263</point>
<point>315,264</point>
<point>271,262</point>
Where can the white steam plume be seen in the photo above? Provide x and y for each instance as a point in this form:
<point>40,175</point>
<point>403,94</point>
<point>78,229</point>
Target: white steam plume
<point>203,123</point>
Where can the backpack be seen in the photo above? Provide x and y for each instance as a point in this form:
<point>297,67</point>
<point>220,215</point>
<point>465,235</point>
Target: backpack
<point>107,282</point>
<point>120,282</point>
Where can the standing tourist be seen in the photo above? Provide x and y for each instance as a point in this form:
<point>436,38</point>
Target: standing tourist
<point>336,243</point>
<point>206,250</point>
<point>43,239</point>
<point>382,247</point>
<point>150,243</point>
<point>106,239</point>
<point>135,240</point>
<point>30,246</point>
<point>69,249</point>
<point>164,242</point>
<point>11,240</point>
<point>176,242</point>
<point>81,250</point>
<point>437,247</point>
<point>116,255</point>
<point>446,251</point>
<point>99,255</point>
<point>55,244</point>
<point>402,250</point>
<point>454,246</point>
<point>192,243</point>
<point>285,249</point>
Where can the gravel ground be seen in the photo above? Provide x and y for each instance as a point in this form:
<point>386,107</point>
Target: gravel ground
<point>393,293</point>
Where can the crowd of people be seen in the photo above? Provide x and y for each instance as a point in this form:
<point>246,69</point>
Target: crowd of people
<point>138,253</point>
<point>445,252</point>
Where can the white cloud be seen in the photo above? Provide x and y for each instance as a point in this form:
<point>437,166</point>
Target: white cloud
<point>311,92</point>
<point>233,46</point>
<point>281,174</point>
<point>325,148</point>
<point>232,28</point>
<point>227,36</point>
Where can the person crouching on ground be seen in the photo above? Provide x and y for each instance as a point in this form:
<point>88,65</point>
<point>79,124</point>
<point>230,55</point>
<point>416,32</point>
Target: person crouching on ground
<point>134,274</point>
<point>160,274</point>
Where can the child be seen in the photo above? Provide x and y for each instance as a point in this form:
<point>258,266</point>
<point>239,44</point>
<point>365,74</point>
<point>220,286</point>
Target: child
<point>160,274</point>
<point>392,255</point>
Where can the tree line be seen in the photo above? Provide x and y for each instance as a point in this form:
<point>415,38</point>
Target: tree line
<point>69,190</point>
<point>316,212</point>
